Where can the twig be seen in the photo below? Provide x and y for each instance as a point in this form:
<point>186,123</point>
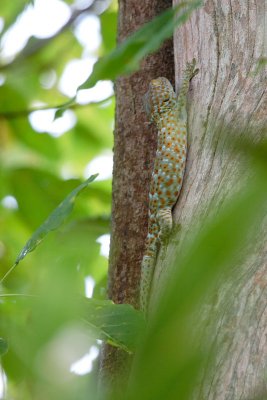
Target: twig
<point>66,106</point>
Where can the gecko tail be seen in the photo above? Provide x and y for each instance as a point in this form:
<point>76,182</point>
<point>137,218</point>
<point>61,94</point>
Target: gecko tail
<point>147,268</point>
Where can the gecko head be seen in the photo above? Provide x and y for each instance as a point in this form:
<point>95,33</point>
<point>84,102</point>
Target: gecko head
<point>159,98</point>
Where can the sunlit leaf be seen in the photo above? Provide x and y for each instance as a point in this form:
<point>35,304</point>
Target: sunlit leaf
<point>126,57</point>
<point>10,10</point>
<point>108,29</point>
<point>55,219</point>
<point>117,324</point>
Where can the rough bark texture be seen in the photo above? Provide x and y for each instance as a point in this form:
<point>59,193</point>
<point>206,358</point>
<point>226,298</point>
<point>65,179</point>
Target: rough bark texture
<point>134,148</point>
<point>227,38</point>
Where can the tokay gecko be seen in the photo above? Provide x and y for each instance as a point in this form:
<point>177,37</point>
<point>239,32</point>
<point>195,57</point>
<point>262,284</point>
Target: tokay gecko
<point>169,114</point>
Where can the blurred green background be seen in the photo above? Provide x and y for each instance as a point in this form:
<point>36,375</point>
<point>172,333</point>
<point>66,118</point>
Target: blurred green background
<point>41,162</point>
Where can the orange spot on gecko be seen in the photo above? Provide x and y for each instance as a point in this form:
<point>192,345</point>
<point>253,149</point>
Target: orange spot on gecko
<point>169,183</point>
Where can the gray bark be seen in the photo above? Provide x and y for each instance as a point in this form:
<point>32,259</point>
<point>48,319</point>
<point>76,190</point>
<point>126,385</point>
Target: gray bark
<point>227,38</point>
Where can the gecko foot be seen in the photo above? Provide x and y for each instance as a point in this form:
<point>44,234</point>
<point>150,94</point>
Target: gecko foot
<point>164,217</point>
<point>190,70</point>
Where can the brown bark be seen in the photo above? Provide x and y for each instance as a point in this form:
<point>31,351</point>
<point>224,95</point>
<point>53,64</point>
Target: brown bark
<point>227,38</point>
<point>134,148</point>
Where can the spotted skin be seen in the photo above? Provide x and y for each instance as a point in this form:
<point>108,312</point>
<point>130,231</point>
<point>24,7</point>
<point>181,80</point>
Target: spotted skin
<point>169,115</point>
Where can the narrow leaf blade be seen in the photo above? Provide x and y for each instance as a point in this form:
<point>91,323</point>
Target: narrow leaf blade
<point>55,219</point>
<point>126,58</point>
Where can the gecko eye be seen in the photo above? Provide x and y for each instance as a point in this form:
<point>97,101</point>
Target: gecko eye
<point>165,100</point>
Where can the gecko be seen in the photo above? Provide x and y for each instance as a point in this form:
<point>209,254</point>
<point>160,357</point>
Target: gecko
<point>168,112</point>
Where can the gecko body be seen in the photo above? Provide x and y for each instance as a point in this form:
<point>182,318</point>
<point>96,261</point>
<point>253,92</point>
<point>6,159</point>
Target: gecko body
<point>169,114</point>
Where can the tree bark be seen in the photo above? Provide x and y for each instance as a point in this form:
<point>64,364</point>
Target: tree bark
<point>227,38</point>
<point>134,150</point>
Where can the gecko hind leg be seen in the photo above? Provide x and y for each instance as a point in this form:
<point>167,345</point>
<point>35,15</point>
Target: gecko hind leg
<point>147,269</point>
<point>164,217</point>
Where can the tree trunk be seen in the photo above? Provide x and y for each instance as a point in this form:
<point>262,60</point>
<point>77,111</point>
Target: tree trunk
<point>227,39</point>
<point>134,150</point>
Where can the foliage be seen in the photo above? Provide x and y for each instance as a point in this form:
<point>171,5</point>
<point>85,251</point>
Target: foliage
<point>126,57</point>
<point>210,254</point>
<point>117,324</point>
<point>38,300</point>
<point>54,220</point>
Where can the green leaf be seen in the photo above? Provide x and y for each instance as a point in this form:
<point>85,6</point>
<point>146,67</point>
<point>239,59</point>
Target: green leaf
<point>126,58</point>
<point>3,346</point>
<point>117,324</point>
<point>60,110</point>
<point>55,219</point>
<point>108,29</point>
<point>59,113</point>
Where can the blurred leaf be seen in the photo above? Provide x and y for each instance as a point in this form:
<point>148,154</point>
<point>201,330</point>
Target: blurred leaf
<point>94,125</point>
<point>3,346</point>
<point>262,396</point>
<point>55,219</point>
<point>126,58</point>
<point>108,28</point>
<point>10,10</point>
<point>39,170</point>
<point>12,95</point>
<point>117,324</point>
<point>45,190</point>
<point>210,253</point>
<point>260,66</point>
<point>27,141</point>
<point>75,247</point>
